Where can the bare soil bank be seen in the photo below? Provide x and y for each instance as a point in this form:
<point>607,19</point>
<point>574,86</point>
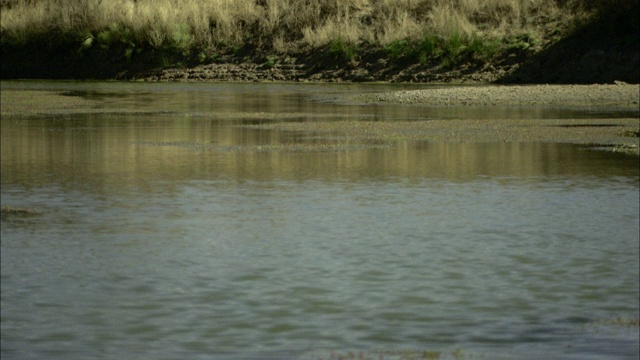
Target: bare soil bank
<point>583,58</point>
<point>596,60</point>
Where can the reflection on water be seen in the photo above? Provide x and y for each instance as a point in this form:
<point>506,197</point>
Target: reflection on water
<point>173,236</point>
<point>132,151</point>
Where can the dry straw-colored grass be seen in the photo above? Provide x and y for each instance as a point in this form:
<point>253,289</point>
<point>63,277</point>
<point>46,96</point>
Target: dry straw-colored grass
<point>278,24</point>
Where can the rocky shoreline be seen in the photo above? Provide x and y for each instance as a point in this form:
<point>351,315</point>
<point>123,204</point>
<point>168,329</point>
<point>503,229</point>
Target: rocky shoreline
<point>321,67</point>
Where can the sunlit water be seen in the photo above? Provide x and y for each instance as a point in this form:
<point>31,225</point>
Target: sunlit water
<point>148,248</point>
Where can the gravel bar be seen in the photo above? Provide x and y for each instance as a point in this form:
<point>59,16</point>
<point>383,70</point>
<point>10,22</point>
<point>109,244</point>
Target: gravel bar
<point>619,95</point>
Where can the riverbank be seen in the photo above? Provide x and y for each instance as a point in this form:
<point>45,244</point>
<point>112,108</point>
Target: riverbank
<point>427,41</point>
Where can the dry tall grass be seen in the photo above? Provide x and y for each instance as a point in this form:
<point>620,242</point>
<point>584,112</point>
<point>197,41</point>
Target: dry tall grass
<point>281,25</point>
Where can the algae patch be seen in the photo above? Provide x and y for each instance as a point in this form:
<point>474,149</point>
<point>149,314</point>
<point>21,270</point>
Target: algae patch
<point>18,210</point>
<point>43,102</point>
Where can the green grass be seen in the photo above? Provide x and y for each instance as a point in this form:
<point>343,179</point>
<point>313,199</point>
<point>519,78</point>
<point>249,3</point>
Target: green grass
<point>270,61</point>
<point>426,48</point>
<point>452,50</point>
<point>342,50</point>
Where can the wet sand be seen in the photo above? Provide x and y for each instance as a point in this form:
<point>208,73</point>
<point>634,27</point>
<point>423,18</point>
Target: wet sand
<point>603,134</point>
<point>614,134</point>
<point>42,102</point>
<point>618,96</point>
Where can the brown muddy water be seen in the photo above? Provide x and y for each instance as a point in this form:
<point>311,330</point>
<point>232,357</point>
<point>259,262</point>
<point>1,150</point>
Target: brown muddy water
<point>164,224</point>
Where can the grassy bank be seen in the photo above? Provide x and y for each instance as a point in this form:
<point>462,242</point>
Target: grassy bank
<point>91,38</point>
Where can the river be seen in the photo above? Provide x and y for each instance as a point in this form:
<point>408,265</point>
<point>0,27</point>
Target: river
<point>168,227</point>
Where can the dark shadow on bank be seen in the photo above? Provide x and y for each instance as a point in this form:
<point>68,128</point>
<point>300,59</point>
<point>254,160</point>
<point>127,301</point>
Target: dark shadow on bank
<point>605,50</point>
<point>54,59</point>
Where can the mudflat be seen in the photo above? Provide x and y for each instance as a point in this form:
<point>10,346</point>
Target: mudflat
<point>42,102</point>
<point>613,134</point>
<point>618,96</point>
<point>619,135</point>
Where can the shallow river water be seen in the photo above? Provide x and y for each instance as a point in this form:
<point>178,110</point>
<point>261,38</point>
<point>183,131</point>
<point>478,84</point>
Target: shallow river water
<point>166,229</point>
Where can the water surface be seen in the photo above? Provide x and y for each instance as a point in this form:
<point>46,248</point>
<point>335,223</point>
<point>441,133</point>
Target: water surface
<point>175,232</point>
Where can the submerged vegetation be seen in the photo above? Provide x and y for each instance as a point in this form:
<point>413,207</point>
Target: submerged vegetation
<point>17,210</point>
<point>144,34</point>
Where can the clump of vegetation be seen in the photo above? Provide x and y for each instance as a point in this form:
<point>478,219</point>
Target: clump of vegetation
<point>179,31</point>
<point>398,354</point>
<point>450,50</point>
<point>342,50</point>
<point>621,322</point>
<point>18,210</point>
<point>270,61</point>
<point>630,133</point>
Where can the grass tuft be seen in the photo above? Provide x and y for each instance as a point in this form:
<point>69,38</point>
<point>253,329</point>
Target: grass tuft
<point>342,50</point>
